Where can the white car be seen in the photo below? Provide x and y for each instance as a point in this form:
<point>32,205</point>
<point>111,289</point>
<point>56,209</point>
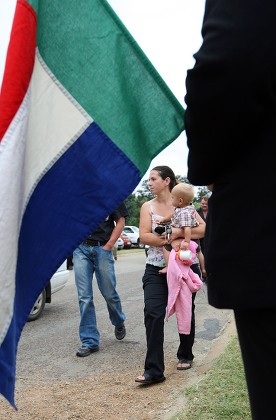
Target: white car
<point>120,243</point>
<point>57,282</point>
<point>133,233</point>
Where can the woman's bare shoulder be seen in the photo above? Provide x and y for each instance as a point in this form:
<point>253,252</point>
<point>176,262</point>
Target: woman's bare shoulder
<point>147,204</point>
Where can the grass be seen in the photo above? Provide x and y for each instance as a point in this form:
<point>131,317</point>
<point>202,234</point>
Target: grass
<point>222,394</point>
<point>130,251</point>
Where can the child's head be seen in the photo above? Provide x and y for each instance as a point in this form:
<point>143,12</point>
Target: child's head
<point>182,195</point>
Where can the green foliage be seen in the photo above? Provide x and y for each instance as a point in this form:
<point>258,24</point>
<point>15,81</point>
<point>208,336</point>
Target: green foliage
<point>135,201</point>
<point>144,191</point>
<point>133,204</point>
<point>181,178</point>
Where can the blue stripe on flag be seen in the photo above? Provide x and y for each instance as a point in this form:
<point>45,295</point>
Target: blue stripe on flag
<point>87,183</point>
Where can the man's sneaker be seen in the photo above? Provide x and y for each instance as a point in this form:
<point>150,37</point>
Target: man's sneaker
<point>120,332</point>
<point>85,351</point>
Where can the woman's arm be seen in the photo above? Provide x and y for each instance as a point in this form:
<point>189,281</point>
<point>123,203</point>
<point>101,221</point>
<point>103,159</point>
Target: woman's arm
<point>198,232</point>
<point>145,233</point>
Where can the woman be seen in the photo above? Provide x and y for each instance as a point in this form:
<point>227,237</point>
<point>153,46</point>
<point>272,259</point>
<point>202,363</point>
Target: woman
<point>161,182</point>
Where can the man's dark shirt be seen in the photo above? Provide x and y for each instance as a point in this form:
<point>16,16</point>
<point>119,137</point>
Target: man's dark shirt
<point>201,241</point>
<point>200,212</point>
<point>104,230</point>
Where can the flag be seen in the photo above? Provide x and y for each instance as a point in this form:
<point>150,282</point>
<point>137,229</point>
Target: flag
<point>82,114</point>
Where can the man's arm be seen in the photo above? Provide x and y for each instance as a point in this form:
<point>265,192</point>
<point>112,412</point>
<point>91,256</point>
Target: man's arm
<point>118,228</point>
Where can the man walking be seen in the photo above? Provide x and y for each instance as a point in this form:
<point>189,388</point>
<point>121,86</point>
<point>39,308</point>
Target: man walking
<point>94,255</point>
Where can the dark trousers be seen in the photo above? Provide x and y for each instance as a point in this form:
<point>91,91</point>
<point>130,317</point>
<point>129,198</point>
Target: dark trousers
<point>257,337</point>
<point>155,299</point>
<point>185,349</point>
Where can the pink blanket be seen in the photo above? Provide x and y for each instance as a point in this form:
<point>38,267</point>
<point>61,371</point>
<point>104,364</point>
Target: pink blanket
<point>182,282</point>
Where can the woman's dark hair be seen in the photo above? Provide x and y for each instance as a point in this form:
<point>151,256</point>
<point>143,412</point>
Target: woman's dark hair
<point>166,172</point>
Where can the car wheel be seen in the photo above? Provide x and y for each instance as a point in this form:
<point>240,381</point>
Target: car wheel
<point>140,245</point>
<point>38,307</point>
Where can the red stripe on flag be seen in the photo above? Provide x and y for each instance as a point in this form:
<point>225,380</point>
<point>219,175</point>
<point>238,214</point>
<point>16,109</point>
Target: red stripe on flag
<point>19,63</point>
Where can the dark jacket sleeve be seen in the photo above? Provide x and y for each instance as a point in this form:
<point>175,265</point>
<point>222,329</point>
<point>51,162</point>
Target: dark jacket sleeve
<point>231,89</point>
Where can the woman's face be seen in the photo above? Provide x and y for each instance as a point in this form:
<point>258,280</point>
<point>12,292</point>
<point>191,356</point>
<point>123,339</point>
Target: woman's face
<point>156,183</point>
<point>204,205</point>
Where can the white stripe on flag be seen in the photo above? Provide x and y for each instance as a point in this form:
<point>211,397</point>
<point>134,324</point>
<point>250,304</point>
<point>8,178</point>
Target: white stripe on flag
<point>56,121</point>
<point>11,196</point>
<point>31,145</point>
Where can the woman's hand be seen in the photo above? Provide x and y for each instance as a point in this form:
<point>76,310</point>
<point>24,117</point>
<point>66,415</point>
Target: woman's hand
<point>176,233</point>
<point>184,245</point>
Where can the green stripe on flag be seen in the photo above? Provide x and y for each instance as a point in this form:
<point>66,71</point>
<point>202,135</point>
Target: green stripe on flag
<point>95,58</point>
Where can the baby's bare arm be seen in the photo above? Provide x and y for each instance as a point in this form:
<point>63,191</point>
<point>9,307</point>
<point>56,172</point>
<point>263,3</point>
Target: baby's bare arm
<point>165,219</point>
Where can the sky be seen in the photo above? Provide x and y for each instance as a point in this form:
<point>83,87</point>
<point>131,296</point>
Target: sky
<point>169,32</point>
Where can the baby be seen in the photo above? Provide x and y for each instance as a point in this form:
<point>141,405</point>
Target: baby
<point>184,216</point>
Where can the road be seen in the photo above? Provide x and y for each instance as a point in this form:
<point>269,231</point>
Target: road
<point>46,353</point>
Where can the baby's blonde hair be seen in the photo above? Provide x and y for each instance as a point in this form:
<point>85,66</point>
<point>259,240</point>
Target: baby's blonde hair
<point>184,191</point>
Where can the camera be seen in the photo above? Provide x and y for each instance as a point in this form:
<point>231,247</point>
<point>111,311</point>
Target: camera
<point>160,229</point>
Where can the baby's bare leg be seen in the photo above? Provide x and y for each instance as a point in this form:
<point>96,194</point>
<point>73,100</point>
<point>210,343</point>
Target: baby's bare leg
<point>166,256</point>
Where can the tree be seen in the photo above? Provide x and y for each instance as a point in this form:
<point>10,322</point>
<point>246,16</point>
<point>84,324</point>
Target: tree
<point>135,201</point>
<point>201,191</point>
<point>181,178</point>
<point>144,191</point>
<point>133,204</point>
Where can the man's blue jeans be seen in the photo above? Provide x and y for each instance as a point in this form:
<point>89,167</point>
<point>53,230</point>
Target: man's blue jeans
<point>87,261</point>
